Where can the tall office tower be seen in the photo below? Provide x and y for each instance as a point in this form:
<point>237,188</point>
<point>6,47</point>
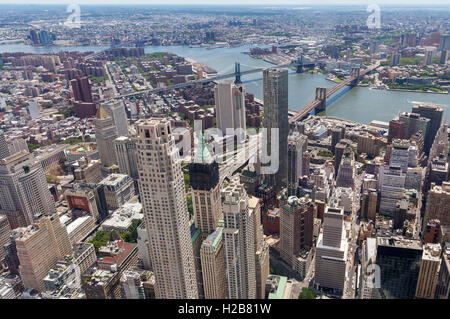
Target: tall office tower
<point>105,134</point>
<point>5,233</point>
<point>367,257</point>
<point>239,243</point>
<point>39,247</point>
<point>126,155</point>
<point>212,254</point>
<point>369,199</point>
<point>230,107</point>
<point>275,87</point>
<point>428,59</point>
<point>444,57</point>
<point>396,130</point>
<point>337,134</point>
<point>166,217</point>
<point>434,113</point>
<point>262,267</point>
<point>23,189</point>
<point>429,269</point>
<point>296,231</point>
<point>143,248</point>
<point>204,180</point>
<point>444,42</point>
<point>443,283</point>
<point>116,110</point>
<point>438,204</point>
<point>400,154</point>
<point>414,123</point>
<point>297,144</point>
<point>81,89</point>
<point>34,36</point>
<point>390,184</point>
<point>399,261</point>
<point>395,59</point>
<point>4,149</point>
<point>346,173</point>
<point>331,252</point>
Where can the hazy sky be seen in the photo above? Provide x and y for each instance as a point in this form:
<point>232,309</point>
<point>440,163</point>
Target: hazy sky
<point>234,2</point>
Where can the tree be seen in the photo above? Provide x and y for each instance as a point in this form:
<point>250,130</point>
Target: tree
<point>307,293</point>
<point>189,204</point>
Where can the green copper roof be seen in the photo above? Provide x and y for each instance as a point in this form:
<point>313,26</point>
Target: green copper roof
<point>280,289</point>
<point>202,154</point>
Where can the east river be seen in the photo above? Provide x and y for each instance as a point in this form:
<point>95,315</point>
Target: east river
<point>360,104</point>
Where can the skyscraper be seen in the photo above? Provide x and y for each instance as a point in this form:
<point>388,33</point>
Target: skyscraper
<point>396,130</point>
<point>275,89</point>
<point>126,155</point>
<point>296,230</point>
<point>261,247</point>
<point>346,172</point>
<point>438,204</point>
<point>23,189</point>
<point>297,144</point>
<point>239,243</point>
<point>116,110</point>
<point>399,261</point>
<point>166,217</point>
<point>369,200</point>
<point>81,89</point>
<point>331,252</point>
<point>39,247</point>
<point>429,270</point>
<point>204,180</point>
<point>212,255</point>
<point>5,233</point>
<point>105,134</point>
<point>414,123</point>
<point>434,113</point>
<point>391,184</point>
<point>230,106</point>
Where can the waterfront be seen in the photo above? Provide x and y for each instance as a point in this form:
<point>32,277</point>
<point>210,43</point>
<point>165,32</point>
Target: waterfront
<point>361,104</point>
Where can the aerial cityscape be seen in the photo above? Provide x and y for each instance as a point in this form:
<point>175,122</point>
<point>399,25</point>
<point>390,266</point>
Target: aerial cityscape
<point>247,151</point>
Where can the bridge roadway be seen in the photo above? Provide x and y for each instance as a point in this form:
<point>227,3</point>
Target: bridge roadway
<point>191,83</point>
<point>311,106</point>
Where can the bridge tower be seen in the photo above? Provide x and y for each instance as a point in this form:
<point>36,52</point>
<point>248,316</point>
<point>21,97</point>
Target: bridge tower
<point>356,74</point>
<point>321,95</point>
<point>237,71</point>
<point>300,63</point>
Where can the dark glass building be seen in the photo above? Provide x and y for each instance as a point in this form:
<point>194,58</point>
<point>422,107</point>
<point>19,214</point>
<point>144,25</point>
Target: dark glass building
<point>399,261</point>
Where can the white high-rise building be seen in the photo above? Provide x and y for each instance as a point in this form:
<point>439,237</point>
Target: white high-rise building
<point>23,189</point>
<point>331,251</point>
<point>126,155</point>
<point>239,242</point>
<point>230,106</point>
<point>105,134</point>
<point>400,154</point>
<point>297,144</point>
<point>391,183</point>
<point>166,218</point>
<point>116,110</point>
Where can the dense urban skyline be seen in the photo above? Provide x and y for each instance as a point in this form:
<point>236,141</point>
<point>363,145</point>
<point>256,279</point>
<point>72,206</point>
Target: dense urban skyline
<point>251,150</point>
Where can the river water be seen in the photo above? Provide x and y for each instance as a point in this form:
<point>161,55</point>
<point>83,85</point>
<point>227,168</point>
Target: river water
<point>361,104</point>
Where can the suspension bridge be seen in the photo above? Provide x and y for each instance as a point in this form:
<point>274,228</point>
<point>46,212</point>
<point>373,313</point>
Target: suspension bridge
<point>319,104</point>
